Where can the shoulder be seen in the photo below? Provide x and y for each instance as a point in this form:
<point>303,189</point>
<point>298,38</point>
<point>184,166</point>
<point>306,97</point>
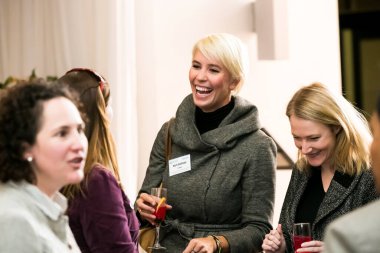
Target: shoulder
<point>366,183</point>
<point>257,139</point>
<point>19,225</point>
<point>264,137</point>
<point>19,215</point>
<point>13,198</point>
<point>367,211</point>
<point>354,226</point>
<point>101,182</point>
<point>99,173</point>
<point>367,176</point>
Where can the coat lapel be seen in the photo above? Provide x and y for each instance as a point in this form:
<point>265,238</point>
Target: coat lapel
<point>303,179</point>
<point>340,188</point>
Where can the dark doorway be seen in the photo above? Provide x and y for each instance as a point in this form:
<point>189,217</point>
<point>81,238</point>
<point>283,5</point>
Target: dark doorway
<point>359,22</point>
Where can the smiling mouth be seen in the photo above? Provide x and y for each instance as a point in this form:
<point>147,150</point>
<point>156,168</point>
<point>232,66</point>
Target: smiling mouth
<point>313,155</point>
<point>203,90</point>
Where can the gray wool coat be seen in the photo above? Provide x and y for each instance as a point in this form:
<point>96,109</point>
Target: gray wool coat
<point>230,188</point>
<point>341,198</point>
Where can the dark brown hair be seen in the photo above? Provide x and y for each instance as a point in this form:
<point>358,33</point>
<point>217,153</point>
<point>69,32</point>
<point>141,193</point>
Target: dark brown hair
<point>21,109</point>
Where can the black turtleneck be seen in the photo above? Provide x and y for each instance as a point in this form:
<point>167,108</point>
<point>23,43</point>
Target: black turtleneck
<point>206,121</point>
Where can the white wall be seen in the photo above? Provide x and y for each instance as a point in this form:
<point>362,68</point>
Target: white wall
<point>167,29</point>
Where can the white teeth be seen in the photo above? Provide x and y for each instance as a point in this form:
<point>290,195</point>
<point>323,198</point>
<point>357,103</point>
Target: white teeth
<point>203,89</point>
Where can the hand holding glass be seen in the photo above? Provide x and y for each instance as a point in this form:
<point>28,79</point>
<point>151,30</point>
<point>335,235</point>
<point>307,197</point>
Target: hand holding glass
<point>301,234</point>
<point>160,212</point>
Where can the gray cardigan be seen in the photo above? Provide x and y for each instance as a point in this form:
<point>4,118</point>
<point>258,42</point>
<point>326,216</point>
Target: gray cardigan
<point>345,193</point>
<point>229,190</point>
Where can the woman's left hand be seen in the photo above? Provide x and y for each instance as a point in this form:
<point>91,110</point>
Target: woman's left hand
<point>312,246</point>
<point>201,245</point>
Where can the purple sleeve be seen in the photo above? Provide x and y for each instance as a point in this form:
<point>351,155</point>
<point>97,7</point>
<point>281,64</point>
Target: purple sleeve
<point>109,223</point>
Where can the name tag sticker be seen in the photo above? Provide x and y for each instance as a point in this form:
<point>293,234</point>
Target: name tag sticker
<point>179,165</point>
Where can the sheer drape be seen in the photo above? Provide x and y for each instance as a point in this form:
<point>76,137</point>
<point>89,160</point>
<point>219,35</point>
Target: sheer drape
<point>52,36</point>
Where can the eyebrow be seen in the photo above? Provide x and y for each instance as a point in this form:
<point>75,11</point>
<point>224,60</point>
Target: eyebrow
<point>308,136</point>
<point>210,65</point>
<point>215,66</point>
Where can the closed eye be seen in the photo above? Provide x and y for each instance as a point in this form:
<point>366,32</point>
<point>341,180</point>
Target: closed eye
<point>214,70</point>
<point>196,65</point>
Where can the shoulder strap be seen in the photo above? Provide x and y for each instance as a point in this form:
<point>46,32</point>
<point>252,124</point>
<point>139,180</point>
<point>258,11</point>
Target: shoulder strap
<point>168,144</point>
<point>168,141</point>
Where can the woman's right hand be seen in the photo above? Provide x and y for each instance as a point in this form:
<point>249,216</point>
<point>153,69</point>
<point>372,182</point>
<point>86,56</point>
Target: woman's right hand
<point>274,242</point>
<point>146,206</point>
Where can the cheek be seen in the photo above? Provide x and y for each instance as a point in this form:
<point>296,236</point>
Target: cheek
<point>327,144</point>
<point>85,143</point>
<point>191,75</point>
<point>297,144</point>
<point>48,157</point>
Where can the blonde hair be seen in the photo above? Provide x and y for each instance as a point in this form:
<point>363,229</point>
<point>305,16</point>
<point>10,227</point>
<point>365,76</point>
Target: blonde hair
<point>227,49</point>
<point>94,94</point>
<point>317,103</point>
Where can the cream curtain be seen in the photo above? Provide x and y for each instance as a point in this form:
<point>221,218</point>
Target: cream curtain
<point>52,36</point>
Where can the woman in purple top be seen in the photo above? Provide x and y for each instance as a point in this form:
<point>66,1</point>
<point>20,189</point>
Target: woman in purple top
<point>100,214</point>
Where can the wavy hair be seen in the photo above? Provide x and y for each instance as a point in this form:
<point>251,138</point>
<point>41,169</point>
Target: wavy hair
<point>94,92</point>
<point>319,104</point>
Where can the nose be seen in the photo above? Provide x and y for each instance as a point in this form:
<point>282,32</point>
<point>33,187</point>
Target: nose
<point>79,142</point>
<point>305,147</point>
<point>202,75</point>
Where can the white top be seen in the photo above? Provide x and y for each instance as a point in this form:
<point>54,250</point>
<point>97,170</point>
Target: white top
<point>31,222</point>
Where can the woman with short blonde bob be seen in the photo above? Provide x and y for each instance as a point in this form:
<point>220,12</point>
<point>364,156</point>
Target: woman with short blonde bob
<point>223,201</point>
<point>332,174</point>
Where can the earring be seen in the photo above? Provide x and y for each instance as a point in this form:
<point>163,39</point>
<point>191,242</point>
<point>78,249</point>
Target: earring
<point>29,159</point>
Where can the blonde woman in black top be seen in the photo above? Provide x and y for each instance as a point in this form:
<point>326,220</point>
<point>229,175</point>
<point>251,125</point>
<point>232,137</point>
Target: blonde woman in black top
<point>332,174</point>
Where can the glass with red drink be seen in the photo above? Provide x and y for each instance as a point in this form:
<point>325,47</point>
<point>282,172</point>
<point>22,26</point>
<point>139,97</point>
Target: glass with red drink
<point>160,212</point>
<point>301,234</point>
<point>160,195</point>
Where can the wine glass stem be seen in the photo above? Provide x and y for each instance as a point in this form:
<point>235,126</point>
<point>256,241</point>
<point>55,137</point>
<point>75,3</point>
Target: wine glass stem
<point>157,241</point>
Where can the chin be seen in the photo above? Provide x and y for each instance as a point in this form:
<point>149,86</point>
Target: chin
<point>77,177</point>
<point>315,162</point>
<point>200,105</point>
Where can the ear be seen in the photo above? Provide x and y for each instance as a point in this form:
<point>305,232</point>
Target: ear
<point>27,151</point>
<point>336,129</point>
<point>234,84</point>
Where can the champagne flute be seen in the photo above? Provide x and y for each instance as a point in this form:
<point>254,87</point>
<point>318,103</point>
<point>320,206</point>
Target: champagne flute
<point>301,234</point>
<point>160,213</point>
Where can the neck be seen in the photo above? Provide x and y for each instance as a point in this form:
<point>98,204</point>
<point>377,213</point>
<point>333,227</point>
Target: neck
<point>327,174</point>
<point>46,188</point>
